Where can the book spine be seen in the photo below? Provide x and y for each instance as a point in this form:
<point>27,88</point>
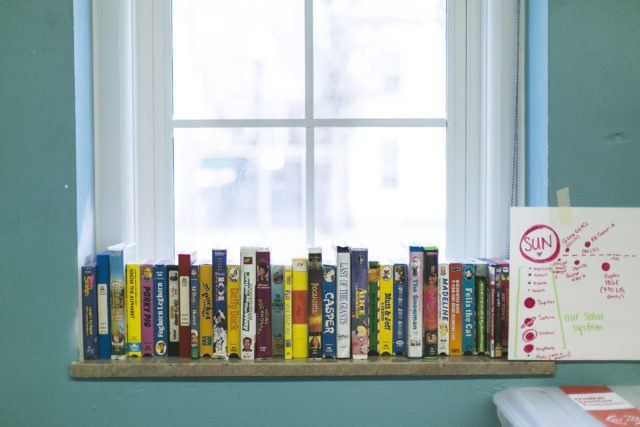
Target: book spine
<point>194,311</point>
<point>263,304</point>
<point>469,309</point>
<point>385,311</point>
<point>481,307</point>
<point>343,306</point>
<point>430,298</point>
<point>288,313</point>
<point>247,302</point>
<point>415,299</point>
<point>160,329</point>
<point>184,280</point>
<point>490,307</point>
<point>399,308</point>
<point>498,302</point>
<point>102,291</point>
<point>219,257</point>
<point>444,292</point>
<point>329,311</point>
<point>300,310</point>
<point>277,310</point>
<point>89,312</point>
<point>173,319</point>
<point>315,303</point>
<point>206,292</point>
<point>233,311</point>
<point>455,312</point>
<point>147,310</point>
<point>117,316</point>
<point>359,304</point>
<point>134,330</point>
<point>505,307</point>
<point>374,306</point>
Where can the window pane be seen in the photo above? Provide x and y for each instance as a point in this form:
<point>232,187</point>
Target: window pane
<point>238,59</point>
<point>379,58</point>
<point>380,188</point>
<point>238,187</point>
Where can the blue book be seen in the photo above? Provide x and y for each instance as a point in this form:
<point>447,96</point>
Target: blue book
<point>102,287</point>
<point>277,310</point>
<point>160,315</point>
<point>89,311</point>
<point>329,350</point>
<point>194,304</point>
<point>399,308</point>
<point>219,257</point>
<point>468,308</point>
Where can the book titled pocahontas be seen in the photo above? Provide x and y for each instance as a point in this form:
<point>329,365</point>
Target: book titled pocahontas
<point>119,256</point>
<point>359,303</point>
<point>399,308</point>
<point>206,291</point>
<point>329,311</point>
<point>233,311</point>
<point>315,303</point>
<point>263,304</point>
<point>385,311</point>
<point>220,342</point>
<point>146,308</point>
<point>247,302</point>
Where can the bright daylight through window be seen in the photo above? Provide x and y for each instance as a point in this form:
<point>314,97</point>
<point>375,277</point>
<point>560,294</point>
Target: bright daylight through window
<point>320,125</point>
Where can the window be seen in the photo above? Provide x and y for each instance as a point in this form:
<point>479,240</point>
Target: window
<point>272,119</point>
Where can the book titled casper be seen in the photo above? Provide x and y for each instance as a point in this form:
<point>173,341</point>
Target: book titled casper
<point>385,311</point>
<point>161,314</point>
<point>277,310</point>
<point>443,308</point>
<point>399,308</point>
<point>329,311</point>
<point>315,303</point>
<point>415,300</point>
<point>146,308</point>
<point>430,298</point>
<point>343,303</point>
<point>288,312</point>
<point>206,291</point>
<point>102,290</point>
<point>185,260</point>
<point>247,302</point>
<point>359,303</point>
<point>263,304</point>
<point>89,311</point>
<point>233,311</point>
<point>300,316</point>
<point>220,343</point>
<point>133,325</point>
<point>173,302</point>
<point>119,256</point>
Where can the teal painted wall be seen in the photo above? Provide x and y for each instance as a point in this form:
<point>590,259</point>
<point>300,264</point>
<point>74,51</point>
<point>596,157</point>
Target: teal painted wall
<point>45,127</point>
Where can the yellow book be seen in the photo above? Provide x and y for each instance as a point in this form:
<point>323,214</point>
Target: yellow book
<point>300,286</point>
<point>385,311</point>
<point>233,310</point>
<point>288,313</point>
<point>134,325</point>
<point>205,284</point>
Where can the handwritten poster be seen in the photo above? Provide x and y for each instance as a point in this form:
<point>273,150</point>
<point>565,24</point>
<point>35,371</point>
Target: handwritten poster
<point>575,284</point>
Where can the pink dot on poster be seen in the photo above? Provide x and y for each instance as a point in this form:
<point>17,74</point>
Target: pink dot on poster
<point>529,336</point>
<point>606,266</point>
<point>528,348</point>
<point>576,262</point>
<point>587,244</point>
<point>529,302</point>
<point>566,250</point>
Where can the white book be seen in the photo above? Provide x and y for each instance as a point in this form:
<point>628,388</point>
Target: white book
<point>443,308</point>
<point>415,302</point>
<point>247,302</point>
<point>343,303</point>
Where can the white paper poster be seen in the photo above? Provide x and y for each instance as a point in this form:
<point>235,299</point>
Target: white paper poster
<point>575,284</point>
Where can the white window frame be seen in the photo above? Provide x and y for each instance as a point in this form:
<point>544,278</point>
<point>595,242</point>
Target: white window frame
<point>133,137</point>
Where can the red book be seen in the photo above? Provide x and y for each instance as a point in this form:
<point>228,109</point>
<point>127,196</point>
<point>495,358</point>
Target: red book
<point>185,260</point>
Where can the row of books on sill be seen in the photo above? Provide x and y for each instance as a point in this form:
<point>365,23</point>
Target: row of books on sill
<point>358,307</point>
